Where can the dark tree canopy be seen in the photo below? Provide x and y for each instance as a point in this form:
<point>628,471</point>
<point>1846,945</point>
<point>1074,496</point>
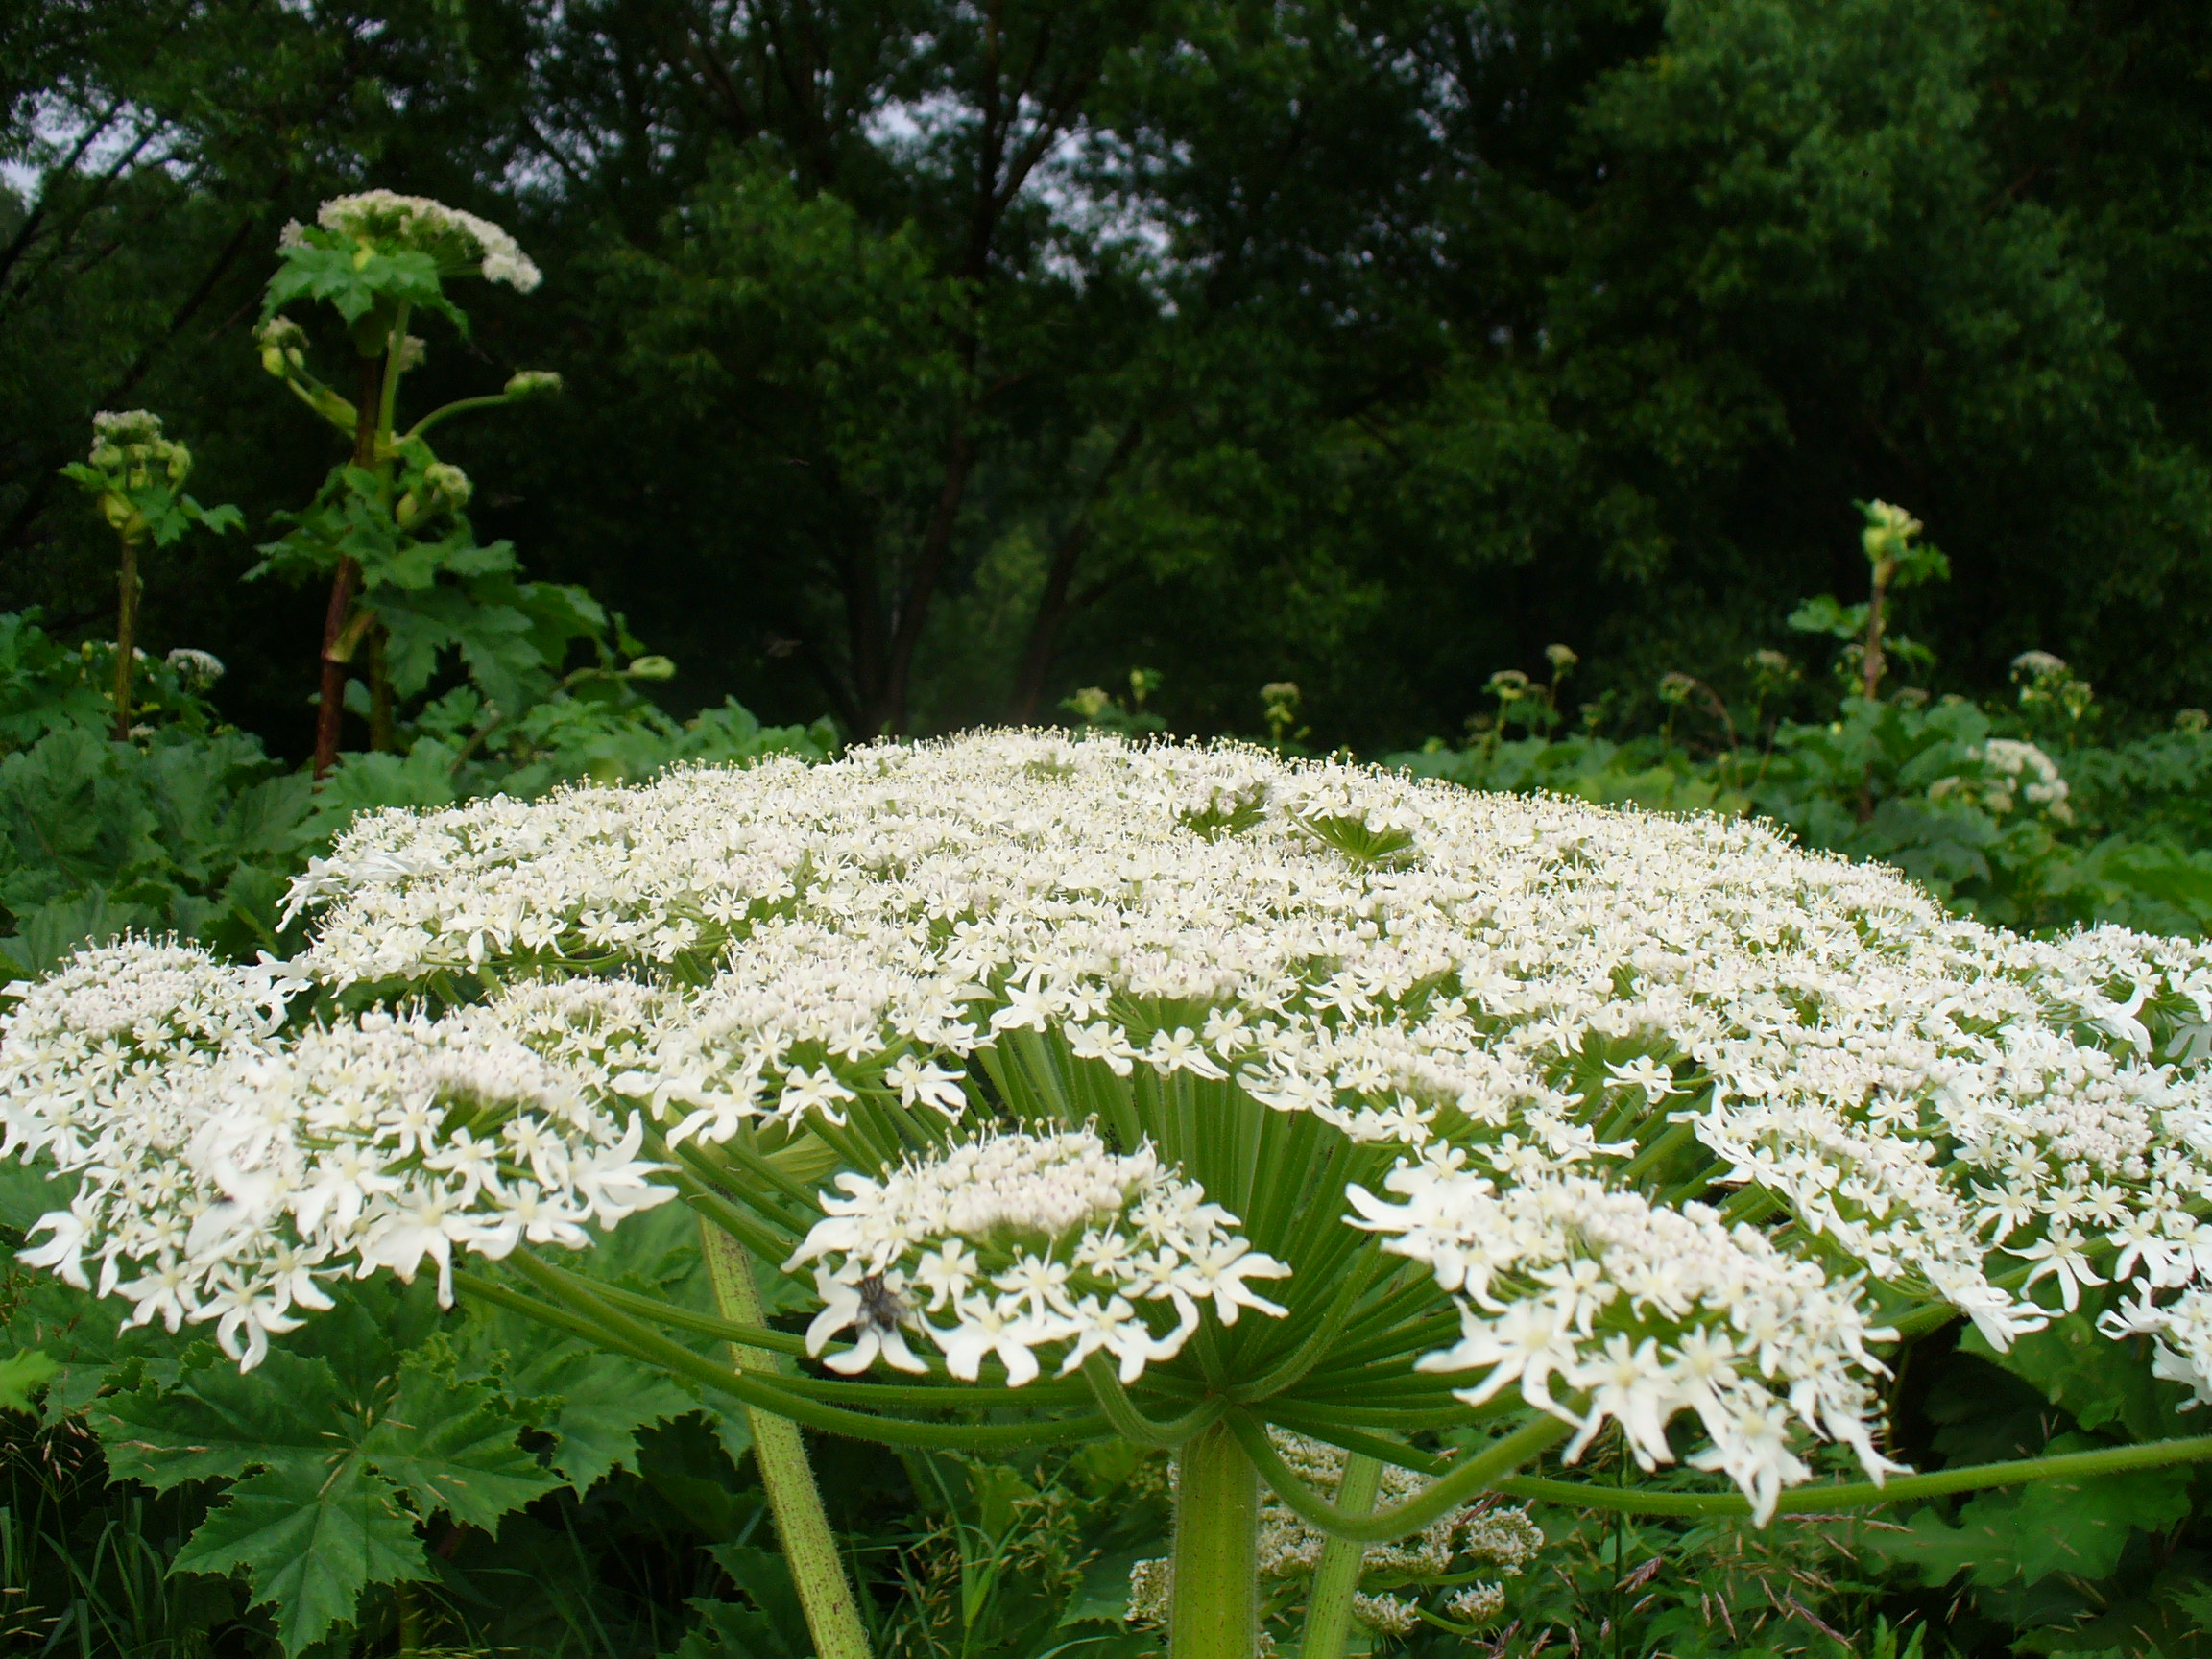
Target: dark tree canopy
<point>925,362</point>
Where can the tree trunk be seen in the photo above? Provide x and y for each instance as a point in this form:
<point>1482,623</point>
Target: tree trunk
<point>1052,604</point>
<point>914,606</point>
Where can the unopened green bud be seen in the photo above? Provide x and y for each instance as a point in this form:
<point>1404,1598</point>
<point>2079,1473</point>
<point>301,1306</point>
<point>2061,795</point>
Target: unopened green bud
<point>284,346</point>
<point>1888,528</point>
<point>651,669</point>
<point>1676,687</point>
<point>448,483</point>
<point>1508,685</point>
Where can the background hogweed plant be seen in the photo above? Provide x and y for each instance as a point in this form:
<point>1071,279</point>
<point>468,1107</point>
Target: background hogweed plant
<point>1188,1095</point>
<point>136,476</point>
<point>390,526</point>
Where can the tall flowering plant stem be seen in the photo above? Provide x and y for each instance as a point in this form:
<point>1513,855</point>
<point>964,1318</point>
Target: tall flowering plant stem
<point>390,519</point>
<point>135,475</point>
<point>1216,1605</point>
<point>1336,1575</point>
<point>794,1498</point>
<point>1236,1106</point>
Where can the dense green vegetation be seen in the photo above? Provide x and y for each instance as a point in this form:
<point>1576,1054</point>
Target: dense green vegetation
<point>923,369</point>
<point>930,365</point>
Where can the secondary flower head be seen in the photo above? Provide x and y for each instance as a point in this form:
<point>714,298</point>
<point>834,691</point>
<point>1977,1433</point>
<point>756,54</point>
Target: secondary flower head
<point>453,238</point>
<point>129,453</point>
<point>224,1174</point>
<point>1021,1244</point>
<point>196,669</point>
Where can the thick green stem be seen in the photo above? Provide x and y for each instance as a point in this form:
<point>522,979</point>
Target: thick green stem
<point>795,1500</point>
<point>1329,1609</point>
<point>1214,1610</point>
<point>395,366</point>
<point>125,637</point>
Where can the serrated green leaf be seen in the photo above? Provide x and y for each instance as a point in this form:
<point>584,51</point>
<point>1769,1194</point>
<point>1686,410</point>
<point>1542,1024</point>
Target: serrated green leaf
<point>310,1538</point>
<point>219,1422</point>
<point>2098,1381</point>
<point>595,1403</point>
<point>1939,1551</point>
<point>452,1447</point>
<point>366,1338</point>
<point>81,1333</point>
<point>2080,1527</point>
<point>21,1375</point>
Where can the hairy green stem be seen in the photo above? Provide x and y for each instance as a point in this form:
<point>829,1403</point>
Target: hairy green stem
<point>1214,1610</point>
<point>1329,1608</point>
<point>1864,1494</point>
<point>794,1498</point>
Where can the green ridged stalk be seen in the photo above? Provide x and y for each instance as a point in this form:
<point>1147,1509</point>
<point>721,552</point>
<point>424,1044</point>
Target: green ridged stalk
<point>794,1500</point>
<point>1214,1611</point>
<point>1329,1608</point>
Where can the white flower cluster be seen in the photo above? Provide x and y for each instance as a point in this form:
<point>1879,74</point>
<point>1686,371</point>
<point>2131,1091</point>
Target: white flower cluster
<point>1555,998</point>
<point>2016,771</point>
<point>123,426</point>
<point>196,668</point>
<point>433,228</point>
<point>1023,1243</point>
<point>222,1171</point>
<point>1641,1312</point>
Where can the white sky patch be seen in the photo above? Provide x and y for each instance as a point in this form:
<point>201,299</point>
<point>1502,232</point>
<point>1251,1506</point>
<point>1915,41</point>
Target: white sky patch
<point>60,128</point>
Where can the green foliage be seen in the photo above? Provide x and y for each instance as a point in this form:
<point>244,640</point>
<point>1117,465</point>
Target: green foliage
<point>21,1375</point>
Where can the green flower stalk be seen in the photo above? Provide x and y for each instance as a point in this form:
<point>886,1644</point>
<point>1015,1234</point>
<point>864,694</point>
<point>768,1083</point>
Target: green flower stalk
<point>1220,1103</point>
<point>136,476</point>
<point>391,522</point>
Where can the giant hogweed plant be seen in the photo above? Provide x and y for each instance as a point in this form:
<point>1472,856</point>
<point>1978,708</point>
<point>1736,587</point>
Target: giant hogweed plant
<point>1187,1096</point>
<point>390,529</point>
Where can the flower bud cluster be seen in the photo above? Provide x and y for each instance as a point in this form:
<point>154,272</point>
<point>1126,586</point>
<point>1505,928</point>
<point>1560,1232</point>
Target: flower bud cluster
<point>1025,1243</point>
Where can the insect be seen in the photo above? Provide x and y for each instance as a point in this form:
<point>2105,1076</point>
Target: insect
<point>881,1304</point>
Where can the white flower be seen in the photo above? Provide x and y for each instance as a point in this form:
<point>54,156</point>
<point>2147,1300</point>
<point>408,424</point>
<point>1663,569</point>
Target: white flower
<point>924,1083</point>
<point>432,227</point>
<point>1068,1239</point>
